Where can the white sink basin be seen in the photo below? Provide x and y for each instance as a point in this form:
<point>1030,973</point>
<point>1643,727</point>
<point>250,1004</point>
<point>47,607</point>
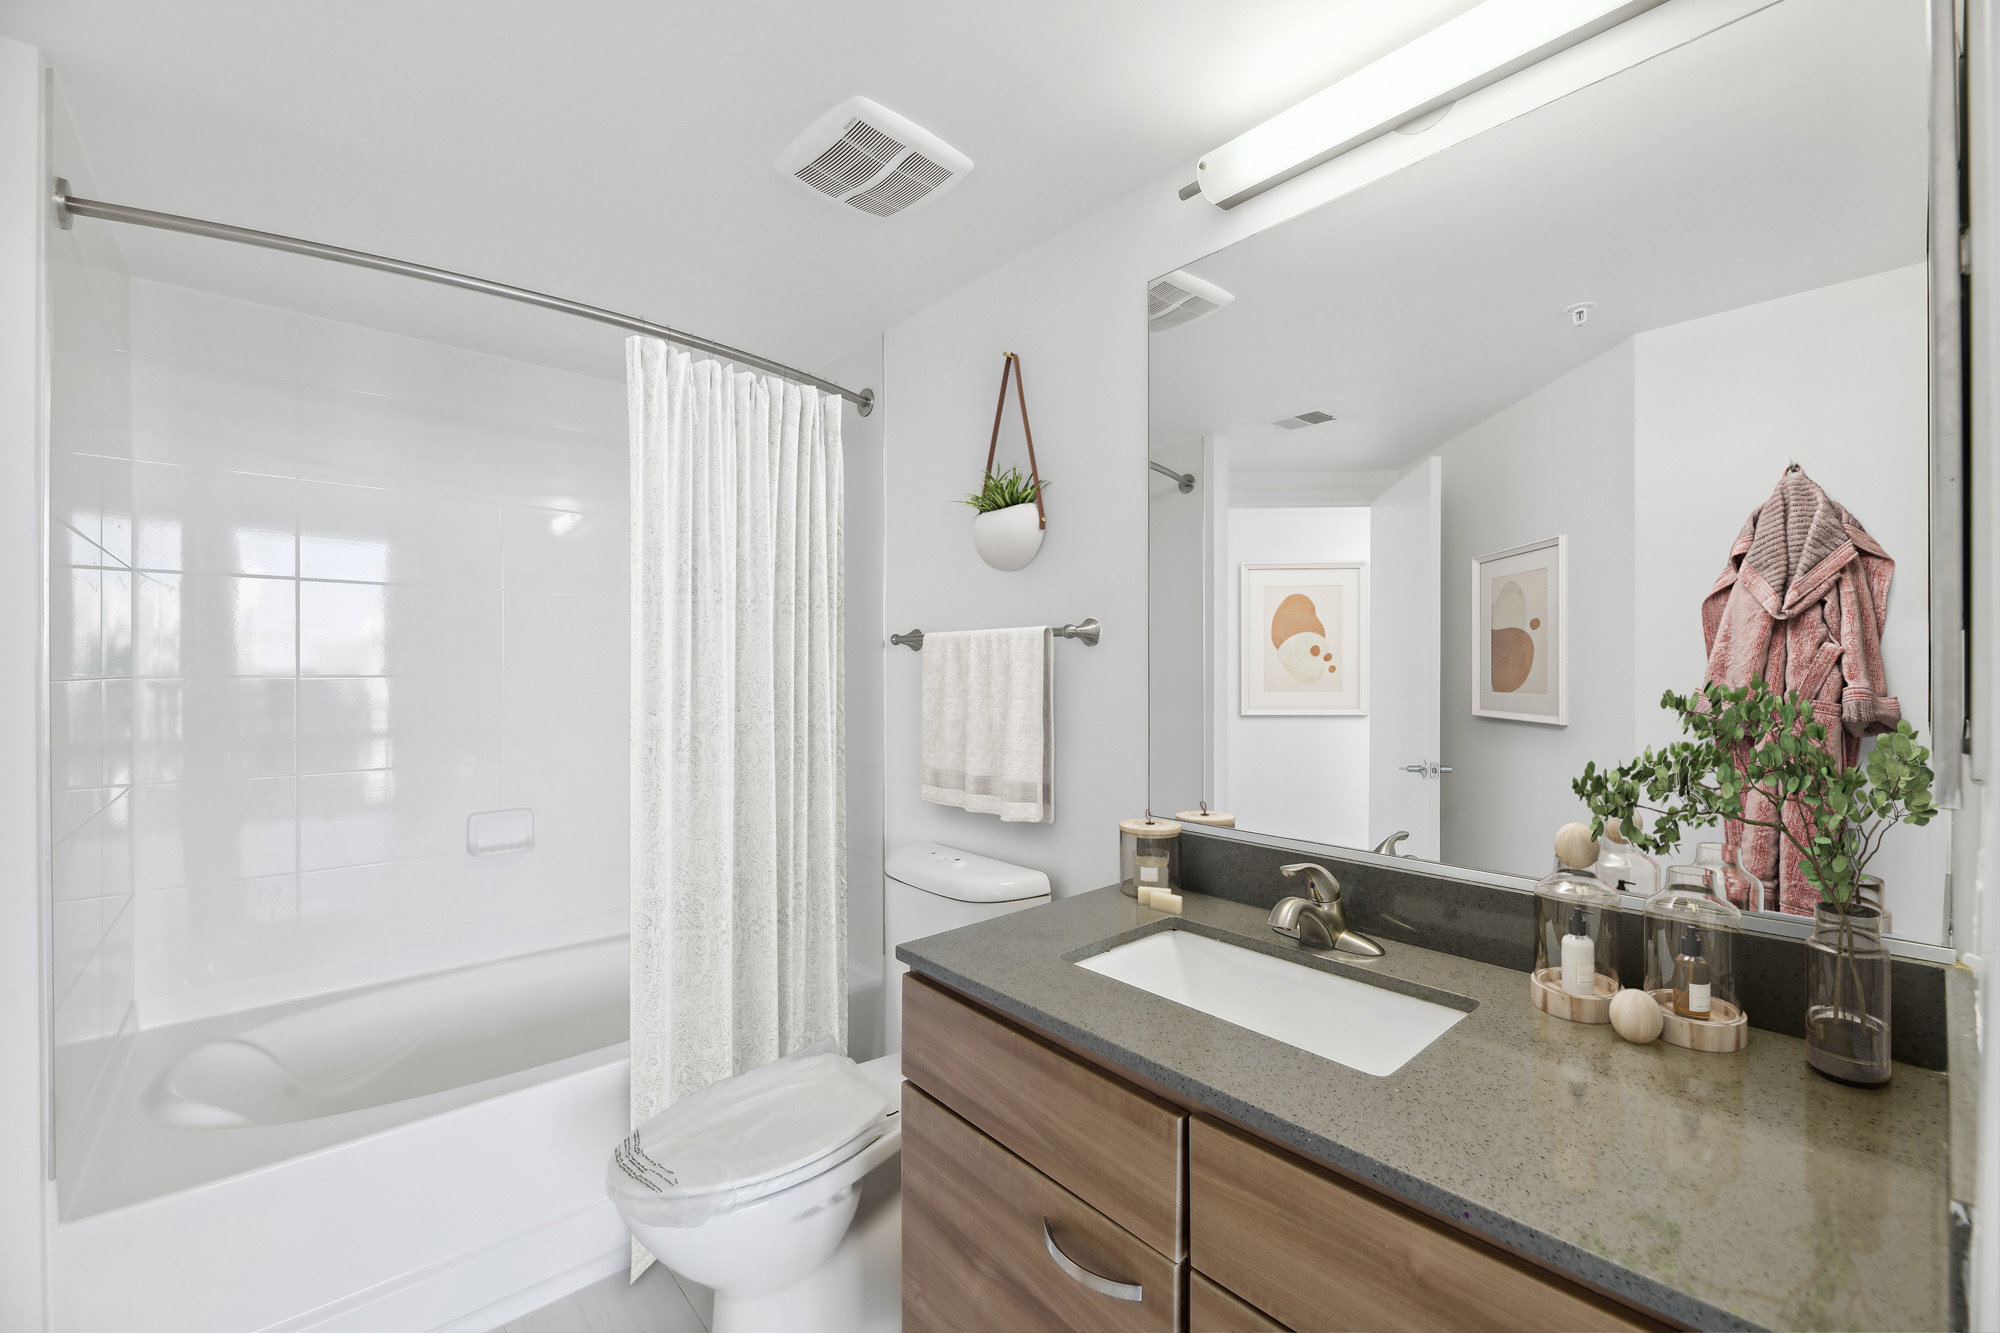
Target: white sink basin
<point>1364,1027</point>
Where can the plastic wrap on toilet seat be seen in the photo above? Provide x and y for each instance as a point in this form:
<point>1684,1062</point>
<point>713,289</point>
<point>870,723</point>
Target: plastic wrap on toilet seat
<point>746,1138</point>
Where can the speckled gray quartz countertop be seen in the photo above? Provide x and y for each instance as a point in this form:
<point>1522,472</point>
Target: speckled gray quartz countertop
<point>1722,1191</point>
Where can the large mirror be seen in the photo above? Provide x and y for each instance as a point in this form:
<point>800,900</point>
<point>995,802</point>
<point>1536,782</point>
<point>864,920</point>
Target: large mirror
<point>1445,471</point>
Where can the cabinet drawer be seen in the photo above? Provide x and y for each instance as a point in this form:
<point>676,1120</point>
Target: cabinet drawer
<point>1214,1309</point>
<point>1117,1148</point>
<point>1331,1255</point>
<point>977,1225</point>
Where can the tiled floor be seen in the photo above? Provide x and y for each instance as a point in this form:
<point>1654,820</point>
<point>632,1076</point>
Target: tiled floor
<point>653,1304</point>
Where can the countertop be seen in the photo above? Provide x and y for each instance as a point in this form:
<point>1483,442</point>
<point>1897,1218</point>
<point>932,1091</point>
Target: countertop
<point>1721,1191</point>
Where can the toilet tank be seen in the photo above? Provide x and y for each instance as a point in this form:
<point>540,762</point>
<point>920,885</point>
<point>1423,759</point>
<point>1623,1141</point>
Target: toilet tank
<point>928,888</point>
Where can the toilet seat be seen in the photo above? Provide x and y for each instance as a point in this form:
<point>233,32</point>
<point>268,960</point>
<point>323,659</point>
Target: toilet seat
<point>746,1138</point>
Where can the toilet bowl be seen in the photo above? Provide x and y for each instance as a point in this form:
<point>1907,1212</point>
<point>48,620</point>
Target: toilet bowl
<point>768,1261</point>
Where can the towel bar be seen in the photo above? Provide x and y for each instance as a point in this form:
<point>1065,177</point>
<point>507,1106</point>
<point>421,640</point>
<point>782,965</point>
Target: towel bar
<point>1088,631</point>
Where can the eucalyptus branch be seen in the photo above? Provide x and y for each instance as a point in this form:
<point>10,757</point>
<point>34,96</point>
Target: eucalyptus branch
<point>1752,742</point>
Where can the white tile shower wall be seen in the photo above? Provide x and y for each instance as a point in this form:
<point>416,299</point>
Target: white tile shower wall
<point>375,585</point>
<point>92,698</point>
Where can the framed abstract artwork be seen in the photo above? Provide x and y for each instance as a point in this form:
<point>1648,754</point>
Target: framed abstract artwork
<point>1520,632</point>
<point>1302,649</point>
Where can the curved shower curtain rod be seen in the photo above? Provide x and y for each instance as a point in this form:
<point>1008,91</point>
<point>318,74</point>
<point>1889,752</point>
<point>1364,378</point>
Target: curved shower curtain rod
<point>68,208</point>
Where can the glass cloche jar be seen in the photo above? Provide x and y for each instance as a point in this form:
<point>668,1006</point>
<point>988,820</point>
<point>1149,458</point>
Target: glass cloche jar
<point>1691,946</point>
<point>1149,855</point>
<point>1576,934</point>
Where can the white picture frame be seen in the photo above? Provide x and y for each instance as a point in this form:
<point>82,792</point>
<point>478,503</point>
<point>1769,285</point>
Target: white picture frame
<point>1525,589</point>
<point>1278,674</point>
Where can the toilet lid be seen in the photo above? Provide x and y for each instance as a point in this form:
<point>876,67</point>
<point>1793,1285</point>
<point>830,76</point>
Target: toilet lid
<point>719,1148</point>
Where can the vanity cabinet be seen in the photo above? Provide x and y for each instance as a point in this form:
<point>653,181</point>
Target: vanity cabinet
<point>1041,1191</point>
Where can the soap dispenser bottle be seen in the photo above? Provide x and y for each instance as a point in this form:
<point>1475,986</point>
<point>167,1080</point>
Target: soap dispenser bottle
<point>1691,977</point>
<point>1579,957</point>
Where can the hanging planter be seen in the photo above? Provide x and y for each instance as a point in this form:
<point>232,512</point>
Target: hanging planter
<point>1007,531</point>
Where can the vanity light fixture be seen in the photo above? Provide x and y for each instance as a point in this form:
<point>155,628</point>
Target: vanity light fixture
<point>1479,47</point>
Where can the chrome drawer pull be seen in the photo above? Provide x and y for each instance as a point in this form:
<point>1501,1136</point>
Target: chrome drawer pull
<point>1117,1291</point>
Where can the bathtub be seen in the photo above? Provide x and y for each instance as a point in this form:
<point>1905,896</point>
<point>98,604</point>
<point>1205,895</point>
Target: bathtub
<point>422,1154</point>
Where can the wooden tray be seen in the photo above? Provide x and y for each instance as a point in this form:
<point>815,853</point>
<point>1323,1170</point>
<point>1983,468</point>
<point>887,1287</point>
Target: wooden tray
<point>1727,1030</point>
<point>1545,988</point>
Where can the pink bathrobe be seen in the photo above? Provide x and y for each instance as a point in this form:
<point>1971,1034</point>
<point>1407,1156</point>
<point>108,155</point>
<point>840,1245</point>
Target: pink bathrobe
<point>1801,604</point>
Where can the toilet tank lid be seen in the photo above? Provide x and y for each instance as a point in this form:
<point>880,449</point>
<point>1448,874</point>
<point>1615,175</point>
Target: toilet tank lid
<point>964,876</point>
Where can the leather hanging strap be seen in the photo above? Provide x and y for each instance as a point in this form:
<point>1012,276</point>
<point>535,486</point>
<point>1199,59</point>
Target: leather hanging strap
<point>1012,365</point>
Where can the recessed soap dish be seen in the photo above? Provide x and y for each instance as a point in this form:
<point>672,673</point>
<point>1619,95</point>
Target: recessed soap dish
<point>496,832</point>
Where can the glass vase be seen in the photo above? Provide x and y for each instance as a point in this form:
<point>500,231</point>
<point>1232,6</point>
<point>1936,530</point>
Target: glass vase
<point>1739,886</point>
<point>1847,995</point>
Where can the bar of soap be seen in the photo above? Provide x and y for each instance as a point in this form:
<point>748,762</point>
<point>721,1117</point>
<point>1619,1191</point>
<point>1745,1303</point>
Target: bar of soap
<point>1166,902</point>
<point>1145,896</point>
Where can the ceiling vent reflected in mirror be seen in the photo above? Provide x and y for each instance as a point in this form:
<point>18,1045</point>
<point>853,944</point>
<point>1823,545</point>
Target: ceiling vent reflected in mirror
<point>1181,298</point>
<point>1302,420</point>
<point>866,156</point>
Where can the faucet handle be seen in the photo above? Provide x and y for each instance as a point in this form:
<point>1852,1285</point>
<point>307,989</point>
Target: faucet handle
<point>1320,883</point>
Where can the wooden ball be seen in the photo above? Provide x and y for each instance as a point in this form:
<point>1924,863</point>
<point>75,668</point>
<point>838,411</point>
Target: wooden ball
<point>1614,829</point>
<point>1575,847</point>
<point>1636,1016</point>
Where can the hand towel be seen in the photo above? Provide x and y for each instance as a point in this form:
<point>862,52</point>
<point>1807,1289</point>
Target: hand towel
<point>989,738</point>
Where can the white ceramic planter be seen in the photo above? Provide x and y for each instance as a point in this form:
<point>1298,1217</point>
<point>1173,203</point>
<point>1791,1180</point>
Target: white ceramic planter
<point>1008,538</point>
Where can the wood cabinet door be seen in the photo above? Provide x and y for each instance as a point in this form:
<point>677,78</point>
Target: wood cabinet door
<point>990,1243</point>
<point>1213,1308</point>
<point>1324,1255</point>
<point>1113,1145</point>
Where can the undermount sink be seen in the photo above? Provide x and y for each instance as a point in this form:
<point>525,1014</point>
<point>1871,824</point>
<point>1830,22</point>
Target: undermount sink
<point>1363,1026</point>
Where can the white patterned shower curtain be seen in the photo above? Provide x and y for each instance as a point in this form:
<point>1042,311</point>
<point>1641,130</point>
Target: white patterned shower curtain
<point>739,862</point>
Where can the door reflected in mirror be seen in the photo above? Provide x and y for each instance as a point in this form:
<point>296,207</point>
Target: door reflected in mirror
<point>1530,391</point>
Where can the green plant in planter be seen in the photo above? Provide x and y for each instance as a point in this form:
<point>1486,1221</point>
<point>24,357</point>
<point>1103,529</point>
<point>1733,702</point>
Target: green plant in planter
<point>1004,490</point>
<point>1747,742</point>
<point>1754,741</point>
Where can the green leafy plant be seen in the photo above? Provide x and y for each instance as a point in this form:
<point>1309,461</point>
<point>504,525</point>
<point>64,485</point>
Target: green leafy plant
<point>1753,741</point>
<point>1004,490</point>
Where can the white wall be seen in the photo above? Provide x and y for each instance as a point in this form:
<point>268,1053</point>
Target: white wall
<point>1074,309</point>
<point>1302,777</point>
<point>1836,380</point>
<point>1557,462</point>
<point>375,585</point>
<point>23,207</point>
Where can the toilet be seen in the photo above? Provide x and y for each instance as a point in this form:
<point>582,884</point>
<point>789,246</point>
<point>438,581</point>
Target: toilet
<point>749,1187</point>
<point>929,888</point>
<point>757,1216</point>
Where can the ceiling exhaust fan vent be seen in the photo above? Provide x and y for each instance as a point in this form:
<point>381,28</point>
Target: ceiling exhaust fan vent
<point>1182,298</point>
<point>866,156</point>
<point>1303,419</point>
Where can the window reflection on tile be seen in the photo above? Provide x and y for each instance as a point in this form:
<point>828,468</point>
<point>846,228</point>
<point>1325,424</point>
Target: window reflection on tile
<point>159,542</point>
<point>76,624</point>
<point>325,557</point>
<point>262,626</point>
<point>343,629</point>
<point>157,634</point>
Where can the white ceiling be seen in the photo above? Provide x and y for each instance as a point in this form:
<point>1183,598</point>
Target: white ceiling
<point>1785,152</point>
<point>620,152</point>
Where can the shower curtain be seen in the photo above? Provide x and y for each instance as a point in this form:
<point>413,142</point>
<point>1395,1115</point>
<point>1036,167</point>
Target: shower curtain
<point>739,865</point>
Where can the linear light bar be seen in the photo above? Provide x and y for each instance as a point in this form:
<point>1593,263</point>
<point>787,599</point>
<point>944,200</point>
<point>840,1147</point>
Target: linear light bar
<point>1481,46</point>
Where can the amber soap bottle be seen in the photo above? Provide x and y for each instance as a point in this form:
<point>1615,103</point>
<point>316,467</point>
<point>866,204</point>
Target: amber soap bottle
<point>1691,977</point>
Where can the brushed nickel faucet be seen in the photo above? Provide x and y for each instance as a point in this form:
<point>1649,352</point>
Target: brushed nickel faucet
<point>1319,921</point>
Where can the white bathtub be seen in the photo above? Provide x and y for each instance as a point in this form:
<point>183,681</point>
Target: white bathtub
<point>417,1155</point>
